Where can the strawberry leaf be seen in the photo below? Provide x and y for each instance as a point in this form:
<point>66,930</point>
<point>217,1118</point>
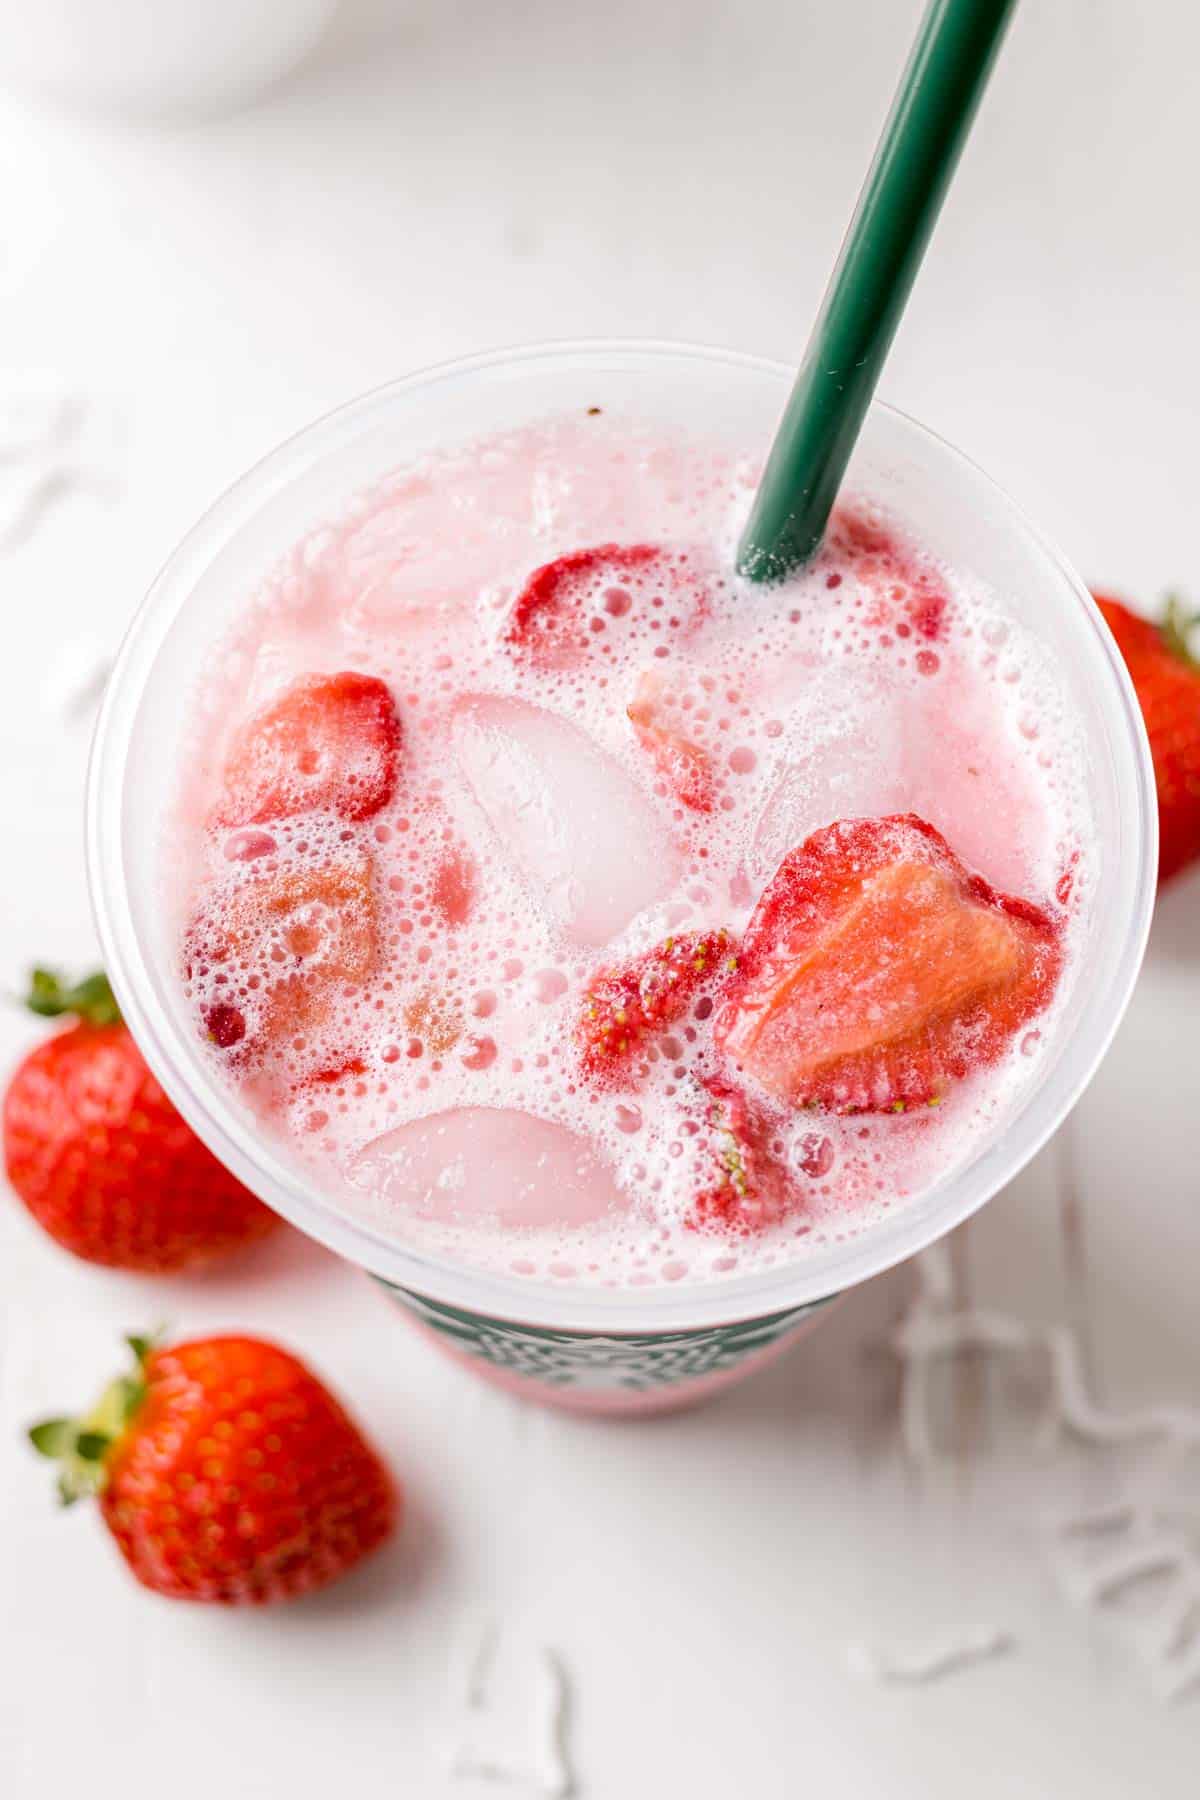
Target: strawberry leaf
<point>128,1393</point>
<point>52,1437</point>
<point>93,1446</point>
<point>1178,629</point>
<point>143,1343</point>
<point>91,999</point>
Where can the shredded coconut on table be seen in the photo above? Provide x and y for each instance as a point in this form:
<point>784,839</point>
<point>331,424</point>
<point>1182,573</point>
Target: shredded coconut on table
<point>76,680</point>
<point>930,1331</point>
<point>545,1764</point>
<point>1142,1538</point>
<point>916,1668</point>
<point>53,442</point>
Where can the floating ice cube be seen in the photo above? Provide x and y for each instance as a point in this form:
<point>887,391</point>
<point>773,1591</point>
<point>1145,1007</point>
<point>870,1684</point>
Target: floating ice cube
<point>577,828</point>
<point>489,1163</point>
<point>844,758</point>
<point>427,545</point>
<point>964,778</point>
<point>858,744</point>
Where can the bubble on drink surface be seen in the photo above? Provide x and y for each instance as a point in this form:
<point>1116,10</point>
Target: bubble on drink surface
<point>247,846</point>
<point>550,985</point>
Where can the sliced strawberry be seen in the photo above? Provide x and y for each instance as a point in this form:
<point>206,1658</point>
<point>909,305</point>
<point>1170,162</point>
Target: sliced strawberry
<point>330,742</point>
<point>878,556</point>
<point>686,768</point>
<point>267,955</point>
<point>626,1005</point>
<point>330,1074</point>
<point>455,884</point>
<point>572,606</point>
<point>745,1185</point>
<point>435,1020</point>
<point>876,970</point>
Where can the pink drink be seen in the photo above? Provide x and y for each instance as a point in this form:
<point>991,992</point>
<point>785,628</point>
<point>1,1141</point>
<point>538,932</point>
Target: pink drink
<point>616,757</point>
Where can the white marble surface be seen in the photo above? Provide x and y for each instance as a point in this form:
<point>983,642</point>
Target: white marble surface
<point>447,175</point>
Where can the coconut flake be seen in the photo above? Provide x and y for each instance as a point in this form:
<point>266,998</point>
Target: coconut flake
<point>914,1668</point>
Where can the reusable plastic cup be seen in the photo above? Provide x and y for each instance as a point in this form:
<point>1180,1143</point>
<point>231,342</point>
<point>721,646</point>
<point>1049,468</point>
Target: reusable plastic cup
<point>621,1348</point>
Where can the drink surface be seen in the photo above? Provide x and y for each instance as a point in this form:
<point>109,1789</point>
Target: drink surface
<point>490,868</point>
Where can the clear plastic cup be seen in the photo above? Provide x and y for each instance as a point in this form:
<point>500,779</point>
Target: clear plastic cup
<point>619,1348</point>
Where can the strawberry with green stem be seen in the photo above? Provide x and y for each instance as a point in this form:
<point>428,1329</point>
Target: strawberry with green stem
<point>225,1472</point>
<point>1166,676</point>
<point>100,1157</point>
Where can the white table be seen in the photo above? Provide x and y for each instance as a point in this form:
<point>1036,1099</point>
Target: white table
<point>441,178</point>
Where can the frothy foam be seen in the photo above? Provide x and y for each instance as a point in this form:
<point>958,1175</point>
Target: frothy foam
<point>421,972</point>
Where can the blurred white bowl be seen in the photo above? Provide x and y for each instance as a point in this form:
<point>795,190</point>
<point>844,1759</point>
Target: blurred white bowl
<point>155,56</point>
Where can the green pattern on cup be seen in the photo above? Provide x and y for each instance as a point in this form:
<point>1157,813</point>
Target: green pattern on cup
<point>630,1363</point>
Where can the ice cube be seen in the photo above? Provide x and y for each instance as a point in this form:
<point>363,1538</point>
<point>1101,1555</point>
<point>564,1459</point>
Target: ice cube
<point>844,758</point>
<point>964,778</point>
<point>574,823</point>
<point>860,745</point>
<point>477,1163</point>
<point>424,546</point>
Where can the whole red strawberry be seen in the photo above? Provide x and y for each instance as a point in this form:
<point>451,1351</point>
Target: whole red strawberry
<point>226,1472</point>
<point>102,1159</point>
<point>1167,679</point>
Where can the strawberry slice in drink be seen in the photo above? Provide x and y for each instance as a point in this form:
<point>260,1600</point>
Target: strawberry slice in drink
<point>744,1184</point>
<point>880,560</point>
<point>624,1006</point>
<point>659,723</point>
<point>268,955</point>
<point>455,885</point>
<point>877,970</point>
<point>329,742</point>
<point>575,606</point>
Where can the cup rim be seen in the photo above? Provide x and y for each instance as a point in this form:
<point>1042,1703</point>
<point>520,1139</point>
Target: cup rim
<point>495,1293</point>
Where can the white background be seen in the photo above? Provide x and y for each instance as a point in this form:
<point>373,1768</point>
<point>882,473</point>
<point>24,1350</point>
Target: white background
<point>444,176</point>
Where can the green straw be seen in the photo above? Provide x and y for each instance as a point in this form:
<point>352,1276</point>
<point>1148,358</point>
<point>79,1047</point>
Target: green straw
<point>897,210</point>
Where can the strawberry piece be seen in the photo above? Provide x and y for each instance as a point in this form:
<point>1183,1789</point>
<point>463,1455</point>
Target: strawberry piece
<point>329,743</point>
<point>569,607</point>
<point>1167,679</point>
<point>435,1021</point>
<point>351,1069</point>
<point>624,1006</point>
<point>267,955</point>
<point>876,970</point>
<point>455,884</point>
<point>748,1188</point>
<point>877,556</point>
<point>226,1472</point>
<point>684,766</point>
<point>101,1158</point>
